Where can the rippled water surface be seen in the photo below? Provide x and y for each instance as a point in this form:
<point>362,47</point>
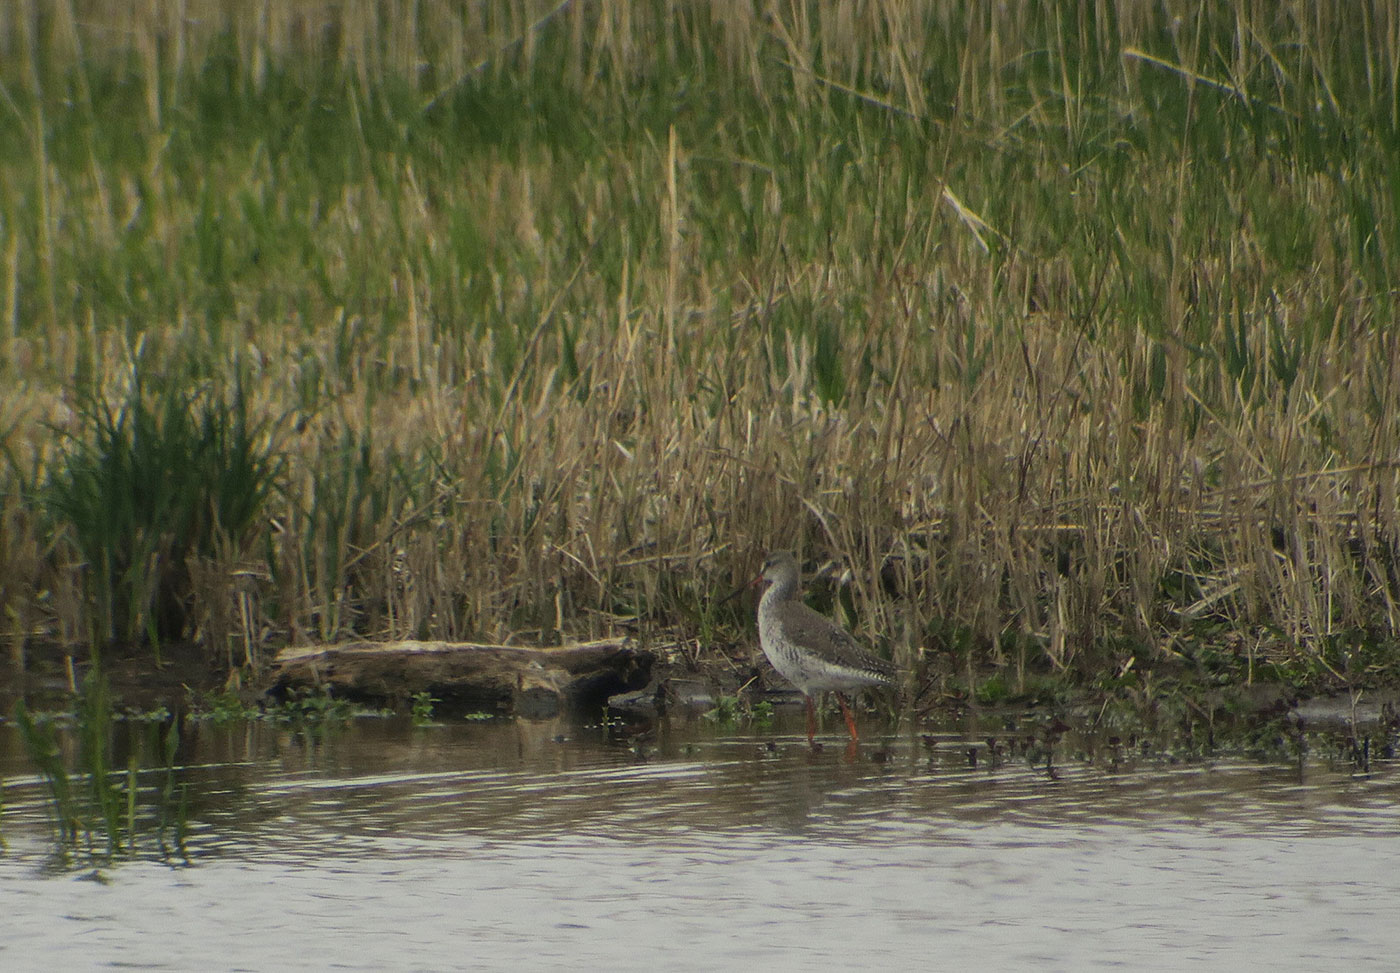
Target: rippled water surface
<point>380,845</point>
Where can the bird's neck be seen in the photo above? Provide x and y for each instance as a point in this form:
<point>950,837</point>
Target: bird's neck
<point>778,591</point>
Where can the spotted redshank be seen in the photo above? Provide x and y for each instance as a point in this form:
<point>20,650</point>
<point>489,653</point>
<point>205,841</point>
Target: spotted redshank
<point>808,649</point>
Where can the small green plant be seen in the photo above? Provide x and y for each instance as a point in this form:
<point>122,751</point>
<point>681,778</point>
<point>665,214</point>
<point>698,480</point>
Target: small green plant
<point>156,714</point>
<point>422,703</point>
<point>731,711</point>
<point>313,708</point>
<point>992,691</point>
<point>224,707</point>
<point>725,712</point>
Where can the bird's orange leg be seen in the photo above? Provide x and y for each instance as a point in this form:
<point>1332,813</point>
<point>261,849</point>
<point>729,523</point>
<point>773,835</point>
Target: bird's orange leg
<point>850,720</point>
<point>811,722</point>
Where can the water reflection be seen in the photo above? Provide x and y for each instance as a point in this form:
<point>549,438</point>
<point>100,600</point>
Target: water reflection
<point>252,782</point>
<point>379,844</point>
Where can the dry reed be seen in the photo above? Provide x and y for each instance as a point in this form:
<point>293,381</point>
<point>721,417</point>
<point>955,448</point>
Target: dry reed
<point>1069,332</point>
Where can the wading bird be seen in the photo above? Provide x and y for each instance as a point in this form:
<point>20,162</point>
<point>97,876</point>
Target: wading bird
<point>809,650</point>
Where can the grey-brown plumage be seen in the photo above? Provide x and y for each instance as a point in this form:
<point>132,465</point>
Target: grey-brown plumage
<point>807,648</point>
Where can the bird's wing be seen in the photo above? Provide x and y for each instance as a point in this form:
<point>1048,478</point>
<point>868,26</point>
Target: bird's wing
<point>805,626</point>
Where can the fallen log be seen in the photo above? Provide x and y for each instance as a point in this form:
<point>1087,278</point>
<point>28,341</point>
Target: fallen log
<point>514,679</point>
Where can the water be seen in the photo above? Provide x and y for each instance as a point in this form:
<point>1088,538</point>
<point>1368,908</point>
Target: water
<point>482,845</point>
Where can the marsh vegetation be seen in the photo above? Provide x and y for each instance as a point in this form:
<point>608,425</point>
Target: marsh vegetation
<point>1067,329</point>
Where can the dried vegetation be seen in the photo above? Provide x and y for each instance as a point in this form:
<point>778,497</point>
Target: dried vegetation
<point>1068,329</point>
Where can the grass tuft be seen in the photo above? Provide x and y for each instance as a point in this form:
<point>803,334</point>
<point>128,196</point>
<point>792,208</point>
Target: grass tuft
<point>142,489</point>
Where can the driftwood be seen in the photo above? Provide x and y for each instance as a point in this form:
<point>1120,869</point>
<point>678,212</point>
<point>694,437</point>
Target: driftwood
<point>516,679</point>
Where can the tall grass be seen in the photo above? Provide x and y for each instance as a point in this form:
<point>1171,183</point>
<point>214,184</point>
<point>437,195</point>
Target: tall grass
<point>1069,328</point>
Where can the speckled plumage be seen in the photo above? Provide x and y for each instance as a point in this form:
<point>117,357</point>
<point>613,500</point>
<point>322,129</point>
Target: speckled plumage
<point>807,648</point>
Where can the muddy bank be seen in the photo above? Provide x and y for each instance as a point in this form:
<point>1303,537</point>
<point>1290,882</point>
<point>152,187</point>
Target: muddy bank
<point>645,684</point>
<point>52,674</point>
